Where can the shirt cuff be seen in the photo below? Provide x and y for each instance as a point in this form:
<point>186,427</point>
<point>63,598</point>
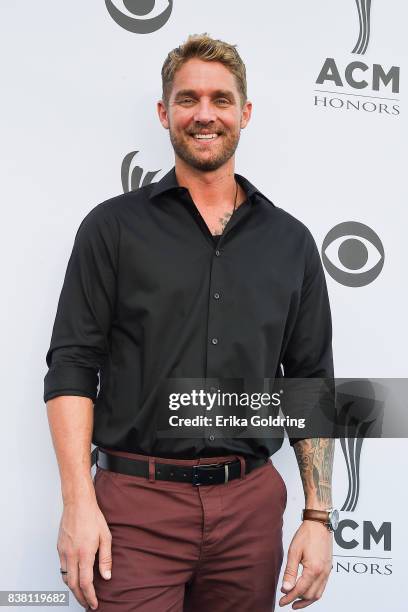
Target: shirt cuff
<point>66,379</point>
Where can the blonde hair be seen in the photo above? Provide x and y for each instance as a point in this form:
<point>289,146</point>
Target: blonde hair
<point>208,49</point>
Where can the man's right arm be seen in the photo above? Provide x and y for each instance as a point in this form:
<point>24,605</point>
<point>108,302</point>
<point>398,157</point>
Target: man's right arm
<point>78,350</point>
<point>83,529</point>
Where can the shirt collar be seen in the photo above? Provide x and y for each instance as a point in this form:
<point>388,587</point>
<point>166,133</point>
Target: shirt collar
<point>169,181</point>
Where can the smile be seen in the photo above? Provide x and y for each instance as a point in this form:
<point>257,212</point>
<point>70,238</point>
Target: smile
<point>205,137</point>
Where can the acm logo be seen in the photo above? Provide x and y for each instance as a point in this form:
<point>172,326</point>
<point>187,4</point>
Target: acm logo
<point>140,16</point>
<point>132,175</point>
<point>359,75</point>
<point>364,19</point>
<point>360,412</point>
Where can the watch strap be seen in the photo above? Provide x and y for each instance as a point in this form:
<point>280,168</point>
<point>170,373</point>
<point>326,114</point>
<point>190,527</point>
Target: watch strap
<point>316,515</point>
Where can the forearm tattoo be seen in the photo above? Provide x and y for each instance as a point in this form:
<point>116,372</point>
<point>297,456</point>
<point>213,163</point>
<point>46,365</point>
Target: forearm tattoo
<point>315,460</point>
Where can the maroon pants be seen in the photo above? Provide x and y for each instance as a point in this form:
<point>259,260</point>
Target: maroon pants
<point>179,548</point>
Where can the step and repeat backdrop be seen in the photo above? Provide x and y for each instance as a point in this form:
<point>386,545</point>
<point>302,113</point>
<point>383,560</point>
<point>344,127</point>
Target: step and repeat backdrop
<point>327,142</point>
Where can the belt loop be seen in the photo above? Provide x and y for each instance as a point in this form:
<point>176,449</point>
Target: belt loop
<point>242,462</point>
<point>152,472</point>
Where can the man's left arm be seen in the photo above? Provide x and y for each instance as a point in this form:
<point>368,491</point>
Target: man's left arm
<point>308,355</point>
<point>312,544</point>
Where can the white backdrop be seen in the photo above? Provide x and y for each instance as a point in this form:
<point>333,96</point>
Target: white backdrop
<point>79,94</point>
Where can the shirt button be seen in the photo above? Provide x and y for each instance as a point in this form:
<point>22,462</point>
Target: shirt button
<point>214,340</point>
<point>211,437</point>
<point>216,295</point>
<point>218,252</point>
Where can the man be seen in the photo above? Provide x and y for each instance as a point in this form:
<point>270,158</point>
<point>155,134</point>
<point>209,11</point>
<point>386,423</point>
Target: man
<point>198,276</point>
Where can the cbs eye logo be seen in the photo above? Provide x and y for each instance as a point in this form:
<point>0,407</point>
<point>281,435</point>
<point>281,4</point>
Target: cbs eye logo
<point>353,254</point>
<point>130,15</point>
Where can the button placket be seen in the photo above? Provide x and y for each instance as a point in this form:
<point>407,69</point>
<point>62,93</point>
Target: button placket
<point>213,310</point>
<point>214,330</point>
<point>208,430</point>
<point>216,306</point>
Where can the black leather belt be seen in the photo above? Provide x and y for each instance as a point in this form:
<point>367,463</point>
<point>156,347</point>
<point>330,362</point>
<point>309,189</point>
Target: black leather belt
<point>204,474</point>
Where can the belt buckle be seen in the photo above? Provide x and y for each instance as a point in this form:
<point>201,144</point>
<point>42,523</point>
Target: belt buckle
<point>207,465</point>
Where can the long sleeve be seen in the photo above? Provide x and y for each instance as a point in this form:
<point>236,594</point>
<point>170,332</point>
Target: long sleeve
<point>80,335</point>
<point>309,350</point>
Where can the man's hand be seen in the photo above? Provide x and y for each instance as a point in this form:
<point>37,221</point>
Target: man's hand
<point>83,530</point>
<point>312,546</point>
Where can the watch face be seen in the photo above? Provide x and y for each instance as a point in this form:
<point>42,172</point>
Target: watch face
<point>334,519</point>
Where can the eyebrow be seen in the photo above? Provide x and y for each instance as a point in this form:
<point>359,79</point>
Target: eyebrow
<point>216,94</point>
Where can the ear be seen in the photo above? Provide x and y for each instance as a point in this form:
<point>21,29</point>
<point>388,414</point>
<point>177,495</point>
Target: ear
<point>162,112</point>
<point>246,114</point>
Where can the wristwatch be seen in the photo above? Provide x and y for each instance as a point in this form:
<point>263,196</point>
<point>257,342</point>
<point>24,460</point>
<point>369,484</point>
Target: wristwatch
<point>329,517</point>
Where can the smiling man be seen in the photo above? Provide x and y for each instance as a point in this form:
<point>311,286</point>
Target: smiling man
<point>197,276</point>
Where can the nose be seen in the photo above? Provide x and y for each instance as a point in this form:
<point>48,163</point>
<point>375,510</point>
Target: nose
<point>204,112</point>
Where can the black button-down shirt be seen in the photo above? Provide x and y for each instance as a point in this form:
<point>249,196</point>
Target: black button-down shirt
<point>150,294</point>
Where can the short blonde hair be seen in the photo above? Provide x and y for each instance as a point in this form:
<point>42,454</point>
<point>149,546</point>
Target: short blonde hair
<point>208,49</point>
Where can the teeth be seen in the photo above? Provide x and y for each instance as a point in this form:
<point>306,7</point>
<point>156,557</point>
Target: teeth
<point>205,136</point>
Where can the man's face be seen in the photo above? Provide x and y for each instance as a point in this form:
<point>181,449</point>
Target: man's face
<point>204,101</point>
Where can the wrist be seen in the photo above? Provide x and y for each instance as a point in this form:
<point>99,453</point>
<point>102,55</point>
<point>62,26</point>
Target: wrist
<point>77,492</point>
<point>314,504</point>
<point>316,527</point>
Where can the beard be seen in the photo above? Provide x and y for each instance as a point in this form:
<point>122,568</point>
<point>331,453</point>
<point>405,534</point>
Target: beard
<point>205,161</point>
